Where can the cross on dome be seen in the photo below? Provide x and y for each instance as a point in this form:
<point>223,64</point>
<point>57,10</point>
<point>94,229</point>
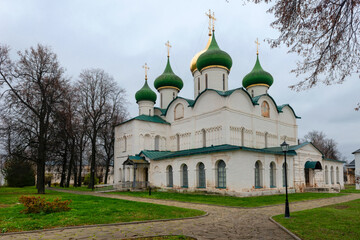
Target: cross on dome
<point>257,46</point>
<point>146,70</point>
<point>210,18</point>
<point>213,21</point>
<point>167,44</point>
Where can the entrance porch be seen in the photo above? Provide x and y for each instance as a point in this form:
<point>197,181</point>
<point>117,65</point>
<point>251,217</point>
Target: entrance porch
<point>135,173</point>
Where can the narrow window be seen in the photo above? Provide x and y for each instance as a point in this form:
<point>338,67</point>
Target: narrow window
<point>258,176</point>
<point>203,137</point>
<point>326,175</point>
<point>170,176</point>
<point>221,174</point>
<point>206,81</point>
<point>332,174</point>
<point>266,140</point>
<point>149,112</point>
<point>223,82</point>
<point>157,143</point>
<point>337,175</point>
<point>198,85</point>
<point>125,144</point>
<point>173,95</point>
<point>184,176</point>
<point>177,142</point>
<point>201,177</point>
<point>242,136</point>
<point>252,93</point>
<point>265,109</point>
<point>272,175</point>
<point>161,100</point>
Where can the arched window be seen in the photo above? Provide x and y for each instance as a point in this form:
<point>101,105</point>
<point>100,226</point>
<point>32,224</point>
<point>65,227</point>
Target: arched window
<point>223,82</point>
<point>120,174</point>
<point>265,109</point>
<point>203,137</point>
<point>332,174</point>
<point>198,85</point>
<point>266,140</point>
<point>161,100</point>
<point>148,142</point>
<point>221,174</point>
<point>242,136</point>
<point>170,176</point>
<point>337,175</point>
<point>258,175</point>
<point>173,95</point>
<point>157,143</point>
<point>177,142</point>
<point>184,170</point>
<point>283,172</point>
<point>149,112</point>
<point>272,175</point>
<point>326,175</point>
<point>178,111</point>
<point>201,176</point>
<point>252,93</point>
<point>206,81</point>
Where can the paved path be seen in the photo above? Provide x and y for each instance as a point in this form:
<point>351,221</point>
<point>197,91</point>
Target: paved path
<point>221,223</point>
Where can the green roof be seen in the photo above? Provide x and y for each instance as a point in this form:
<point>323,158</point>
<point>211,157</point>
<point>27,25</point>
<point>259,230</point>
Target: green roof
<point>146,118</point>
<point>334,160</point>
<point>313,165</point>
<point>257,76</point>
<point>145,94</point>
<point>168,78</point>
<point>162,110</point>
<point>214,56</point>
<point>159,155</point>
<point>135,160</point>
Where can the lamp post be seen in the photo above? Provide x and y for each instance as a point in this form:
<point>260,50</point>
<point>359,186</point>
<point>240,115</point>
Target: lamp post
<point>285,148</point>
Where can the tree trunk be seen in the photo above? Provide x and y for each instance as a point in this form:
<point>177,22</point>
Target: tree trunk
<point>93,158</point>
<point>63,172</point>
<point>41,158</point>
<point>81,149</point>
<point>71,163</point>
<point>75,170</point>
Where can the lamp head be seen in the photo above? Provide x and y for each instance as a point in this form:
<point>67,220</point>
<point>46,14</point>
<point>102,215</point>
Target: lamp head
<point>285,146</point>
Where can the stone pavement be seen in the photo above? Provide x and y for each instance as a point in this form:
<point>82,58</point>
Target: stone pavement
<point>220,223</point>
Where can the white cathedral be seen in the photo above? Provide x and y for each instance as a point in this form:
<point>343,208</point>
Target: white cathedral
<point>224,140</point>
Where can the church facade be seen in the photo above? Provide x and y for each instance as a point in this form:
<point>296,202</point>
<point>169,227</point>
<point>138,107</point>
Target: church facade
<point>223,140</point>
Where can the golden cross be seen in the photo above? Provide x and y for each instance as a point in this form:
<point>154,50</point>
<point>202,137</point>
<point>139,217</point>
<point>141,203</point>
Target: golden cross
<point>213,21</point>
<point>257,46</point>
<point>210,17</point>
<point>167,44</point>
<point>146,70</point>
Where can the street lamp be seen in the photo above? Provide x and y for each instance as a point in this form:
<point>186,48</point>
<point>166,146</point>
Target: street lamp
<point>285,148</point>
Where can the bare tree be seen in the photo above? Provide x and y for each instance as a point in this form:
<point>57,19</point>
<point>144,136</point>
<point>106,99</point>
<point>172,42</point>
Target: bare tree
<point>326,145</point>
<point>325,33</point>
<point>35,84</point>
<point>97,93</point>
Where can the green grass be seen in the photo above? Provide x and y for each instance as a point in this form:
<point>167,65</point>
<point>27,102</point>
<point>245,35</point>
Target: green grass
<point>350,189</point>
<point>85,210</point>
<point>72,188</point>
<point>339,221</point>
<point>228,200</point>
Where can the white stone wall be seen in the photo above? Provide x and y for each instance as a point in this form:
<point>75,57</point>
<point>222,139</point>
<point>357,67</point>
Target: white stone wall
<point>240,172</point>
<point>357,170</point>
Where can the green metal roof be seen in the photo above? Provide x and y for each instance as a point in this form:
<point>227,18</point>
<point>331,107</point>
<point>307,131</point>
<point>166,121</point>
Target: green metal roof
<point>162,110</point>
<point>159,155</point>
<point>146,118</point>
<point>313,165</point>
<point>168,78</point>
<point>257,76</point>
<point>135,160</point>
<point>334,160</point>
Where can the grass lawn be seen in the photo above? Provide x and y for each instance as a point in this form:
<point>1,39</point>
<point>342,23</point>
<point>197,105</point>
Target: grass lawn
<point>85,210</point>
<point>82,188</point>
<point>350,189</point>
<point>339,221</point>
<point>228,200</point>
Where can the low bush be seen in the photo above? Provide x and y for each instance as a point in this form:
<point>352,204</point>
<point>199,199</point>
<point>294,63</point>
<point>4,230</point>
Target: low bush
<point>87,179</point>
<point>38,204</point>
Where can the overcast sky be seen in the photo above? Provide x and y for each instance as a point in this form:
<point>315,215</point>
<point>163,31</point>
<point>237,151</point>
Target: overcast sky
<point>120,36</point>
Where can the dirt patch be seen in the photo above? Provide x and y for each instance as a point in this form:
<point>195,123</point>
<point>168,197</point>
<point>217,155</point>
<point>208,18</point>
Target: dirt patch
<point>4,205</point>
<point>341,206</point>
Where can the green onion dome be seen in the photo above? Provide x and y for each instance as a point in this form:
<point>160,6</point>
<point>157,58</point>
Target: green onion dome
<point>168,79</point>
<point>145,94</point>
<point>214,56</point>
<point>257,76</point>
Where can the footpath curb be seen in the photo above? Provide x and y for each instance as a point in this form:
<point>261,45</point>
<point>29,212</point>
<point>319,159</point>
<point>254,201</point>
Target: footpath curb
<point>285,229</point>
<point>102,225</point>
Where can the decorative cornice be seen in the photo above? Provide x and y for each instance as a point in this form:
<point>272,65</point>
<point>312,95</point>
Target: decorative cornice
<point>168,87</point>
<point>215,66</point>
<point>257,84</point>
